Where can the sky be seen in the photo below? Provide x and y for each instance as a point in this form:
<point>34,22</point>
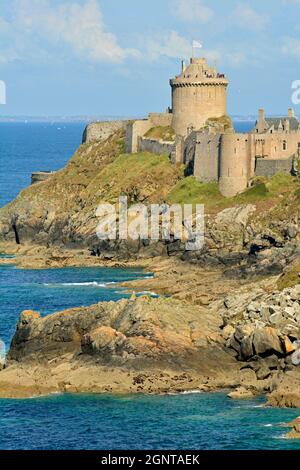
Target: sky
<point>115,57</point>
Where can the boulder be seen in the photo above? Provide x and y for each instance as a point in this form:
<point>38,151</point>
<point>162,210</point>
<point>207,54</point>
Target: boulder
<point>241,393</point>
<point>266,341</point>
<point>263,372</point>
<point>242,331</point>
<point>272,362</point>
<point>228,331</point>
<point>295,358</point>
<point>234,344</point>
<point>295,432</point>
<point>288,345</point>
<point>292,231</point>
<point>276,318</point>
<point>291,329</point>
<point>246,349</point>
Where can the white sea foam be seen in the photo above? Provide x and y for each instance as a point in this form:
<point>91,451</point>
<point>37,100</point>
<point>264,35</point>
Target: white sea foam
<point>147,292</point>
<point>185,392</point>
<point>80,284</point>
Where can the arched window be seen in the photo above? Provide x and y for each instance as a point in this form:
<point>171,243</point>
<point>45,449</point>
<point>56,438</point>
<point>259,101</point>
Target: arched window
<point>284,146</point>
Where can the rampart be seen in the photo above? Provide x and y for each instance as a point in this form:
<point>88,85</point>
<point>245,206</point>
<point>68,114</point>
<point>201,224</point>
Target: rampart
<point>269,167</point>
<point>102,130</point>
<point>137,129</point>
<point>155,146</point>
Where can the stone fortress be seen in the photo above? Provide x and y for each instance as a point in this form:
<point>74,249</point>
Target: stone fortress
<point>197,132</point>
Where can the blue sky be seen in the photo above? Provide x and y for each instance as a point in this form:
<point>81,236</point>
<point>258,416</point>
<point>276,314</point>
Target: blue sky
<point>115,57</point>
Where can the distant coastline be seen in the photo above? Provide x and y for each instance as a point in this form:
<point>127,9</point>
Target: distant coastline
<point>87,119</point>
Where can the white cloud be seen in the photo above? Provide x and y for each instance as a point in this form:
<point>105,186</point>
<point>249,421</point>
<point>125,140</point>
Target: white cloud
<point>170,44</point>
<point>245,17</point>
<point>192,11</point>
<point>174,46</point>
<point>77,26</point>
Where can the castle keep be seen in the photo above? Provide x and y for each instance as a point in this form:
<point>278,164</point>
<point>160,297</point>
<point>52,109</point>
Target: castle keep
<point>198,94</point>
<point>197,132</point>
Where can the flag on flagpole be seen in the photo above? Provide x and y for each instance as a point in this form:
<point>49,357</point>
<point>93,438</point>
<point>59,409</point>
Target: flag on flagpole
<point>197,45</point>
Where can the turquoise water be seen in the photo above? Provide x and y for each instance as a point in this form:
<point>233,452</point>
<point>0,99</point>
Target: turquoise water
<point>52,290</point>
<point>187,421</point>
<point>200,421</point>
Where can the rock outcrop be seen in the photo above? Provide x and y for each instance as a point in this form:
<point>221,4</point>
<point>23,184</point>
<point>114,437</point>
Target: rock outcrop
<point>295,432</point>
<point>137,344</point>
<point>261,324</point>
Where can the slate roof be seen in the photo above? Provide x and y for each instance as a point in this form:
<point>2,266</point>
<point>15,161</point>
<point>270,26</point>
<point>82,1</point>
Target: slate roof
<point>294,123</point>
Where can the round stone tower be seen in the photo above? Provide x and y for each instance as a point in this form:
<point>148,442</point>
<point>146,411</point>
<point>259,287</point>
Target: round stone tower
<point>198,94</point>
<point>235,163</point>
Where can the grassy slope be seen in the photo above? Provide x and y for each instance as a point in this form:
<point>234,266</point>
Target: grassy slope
<point>161,132</point>
<point>265,192</point>
<point>101,172</point>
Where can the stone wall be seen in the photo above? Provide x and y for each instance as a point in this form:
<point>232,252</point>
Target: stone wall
<point>269,167</point>
<point>277,146</point>
<point>207,157</point>
<point>134,131</point>
<point>137,129</point>
<point>160,119</point>
<point>97,131</point>
<point>155,146</point>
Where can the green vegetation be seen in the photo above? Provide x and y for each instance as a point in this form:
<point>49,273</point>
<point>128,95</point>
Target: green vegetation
<point>224,122</point>
<point>289,278</point>
<point>257,192</point>
<point>297,193</point>
<point>267,188</point>
<point>142,177</point>
<point>165,133</point>
<point>190,191</point>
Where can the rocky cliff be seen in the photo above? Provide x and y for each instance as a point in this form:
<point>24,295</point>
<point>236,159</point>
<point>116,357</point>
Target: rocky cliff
<point>259,225</point>
<point>144,344</point>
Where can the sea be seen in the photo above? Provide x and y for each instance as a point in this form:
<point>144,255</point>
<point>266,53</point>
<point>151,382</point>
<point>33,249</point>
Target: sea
<point>107,422</point>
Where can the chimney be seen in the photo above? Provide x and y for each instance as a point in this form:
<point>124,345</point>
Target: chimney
<point>287,125</point>
<point>261,115</point>
<point>261,123</point>
<point>291,113</point>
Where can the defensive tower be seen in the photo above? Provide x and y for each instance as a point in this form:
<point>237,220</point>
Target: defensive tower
<point>198,93</point>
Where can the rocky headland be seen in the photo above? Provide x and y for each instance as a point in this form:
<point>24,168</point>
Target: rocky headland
<point>233,318</point>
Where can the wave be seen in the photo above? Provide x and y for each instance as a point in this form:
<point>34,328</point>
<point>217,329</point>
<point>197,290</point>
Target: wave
<point>185,392</point>
<point>147,292</point>
<point>80,284</point>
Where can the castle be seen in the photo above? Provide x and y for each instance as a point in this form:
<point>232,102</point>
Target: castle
<point>203,136</point>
